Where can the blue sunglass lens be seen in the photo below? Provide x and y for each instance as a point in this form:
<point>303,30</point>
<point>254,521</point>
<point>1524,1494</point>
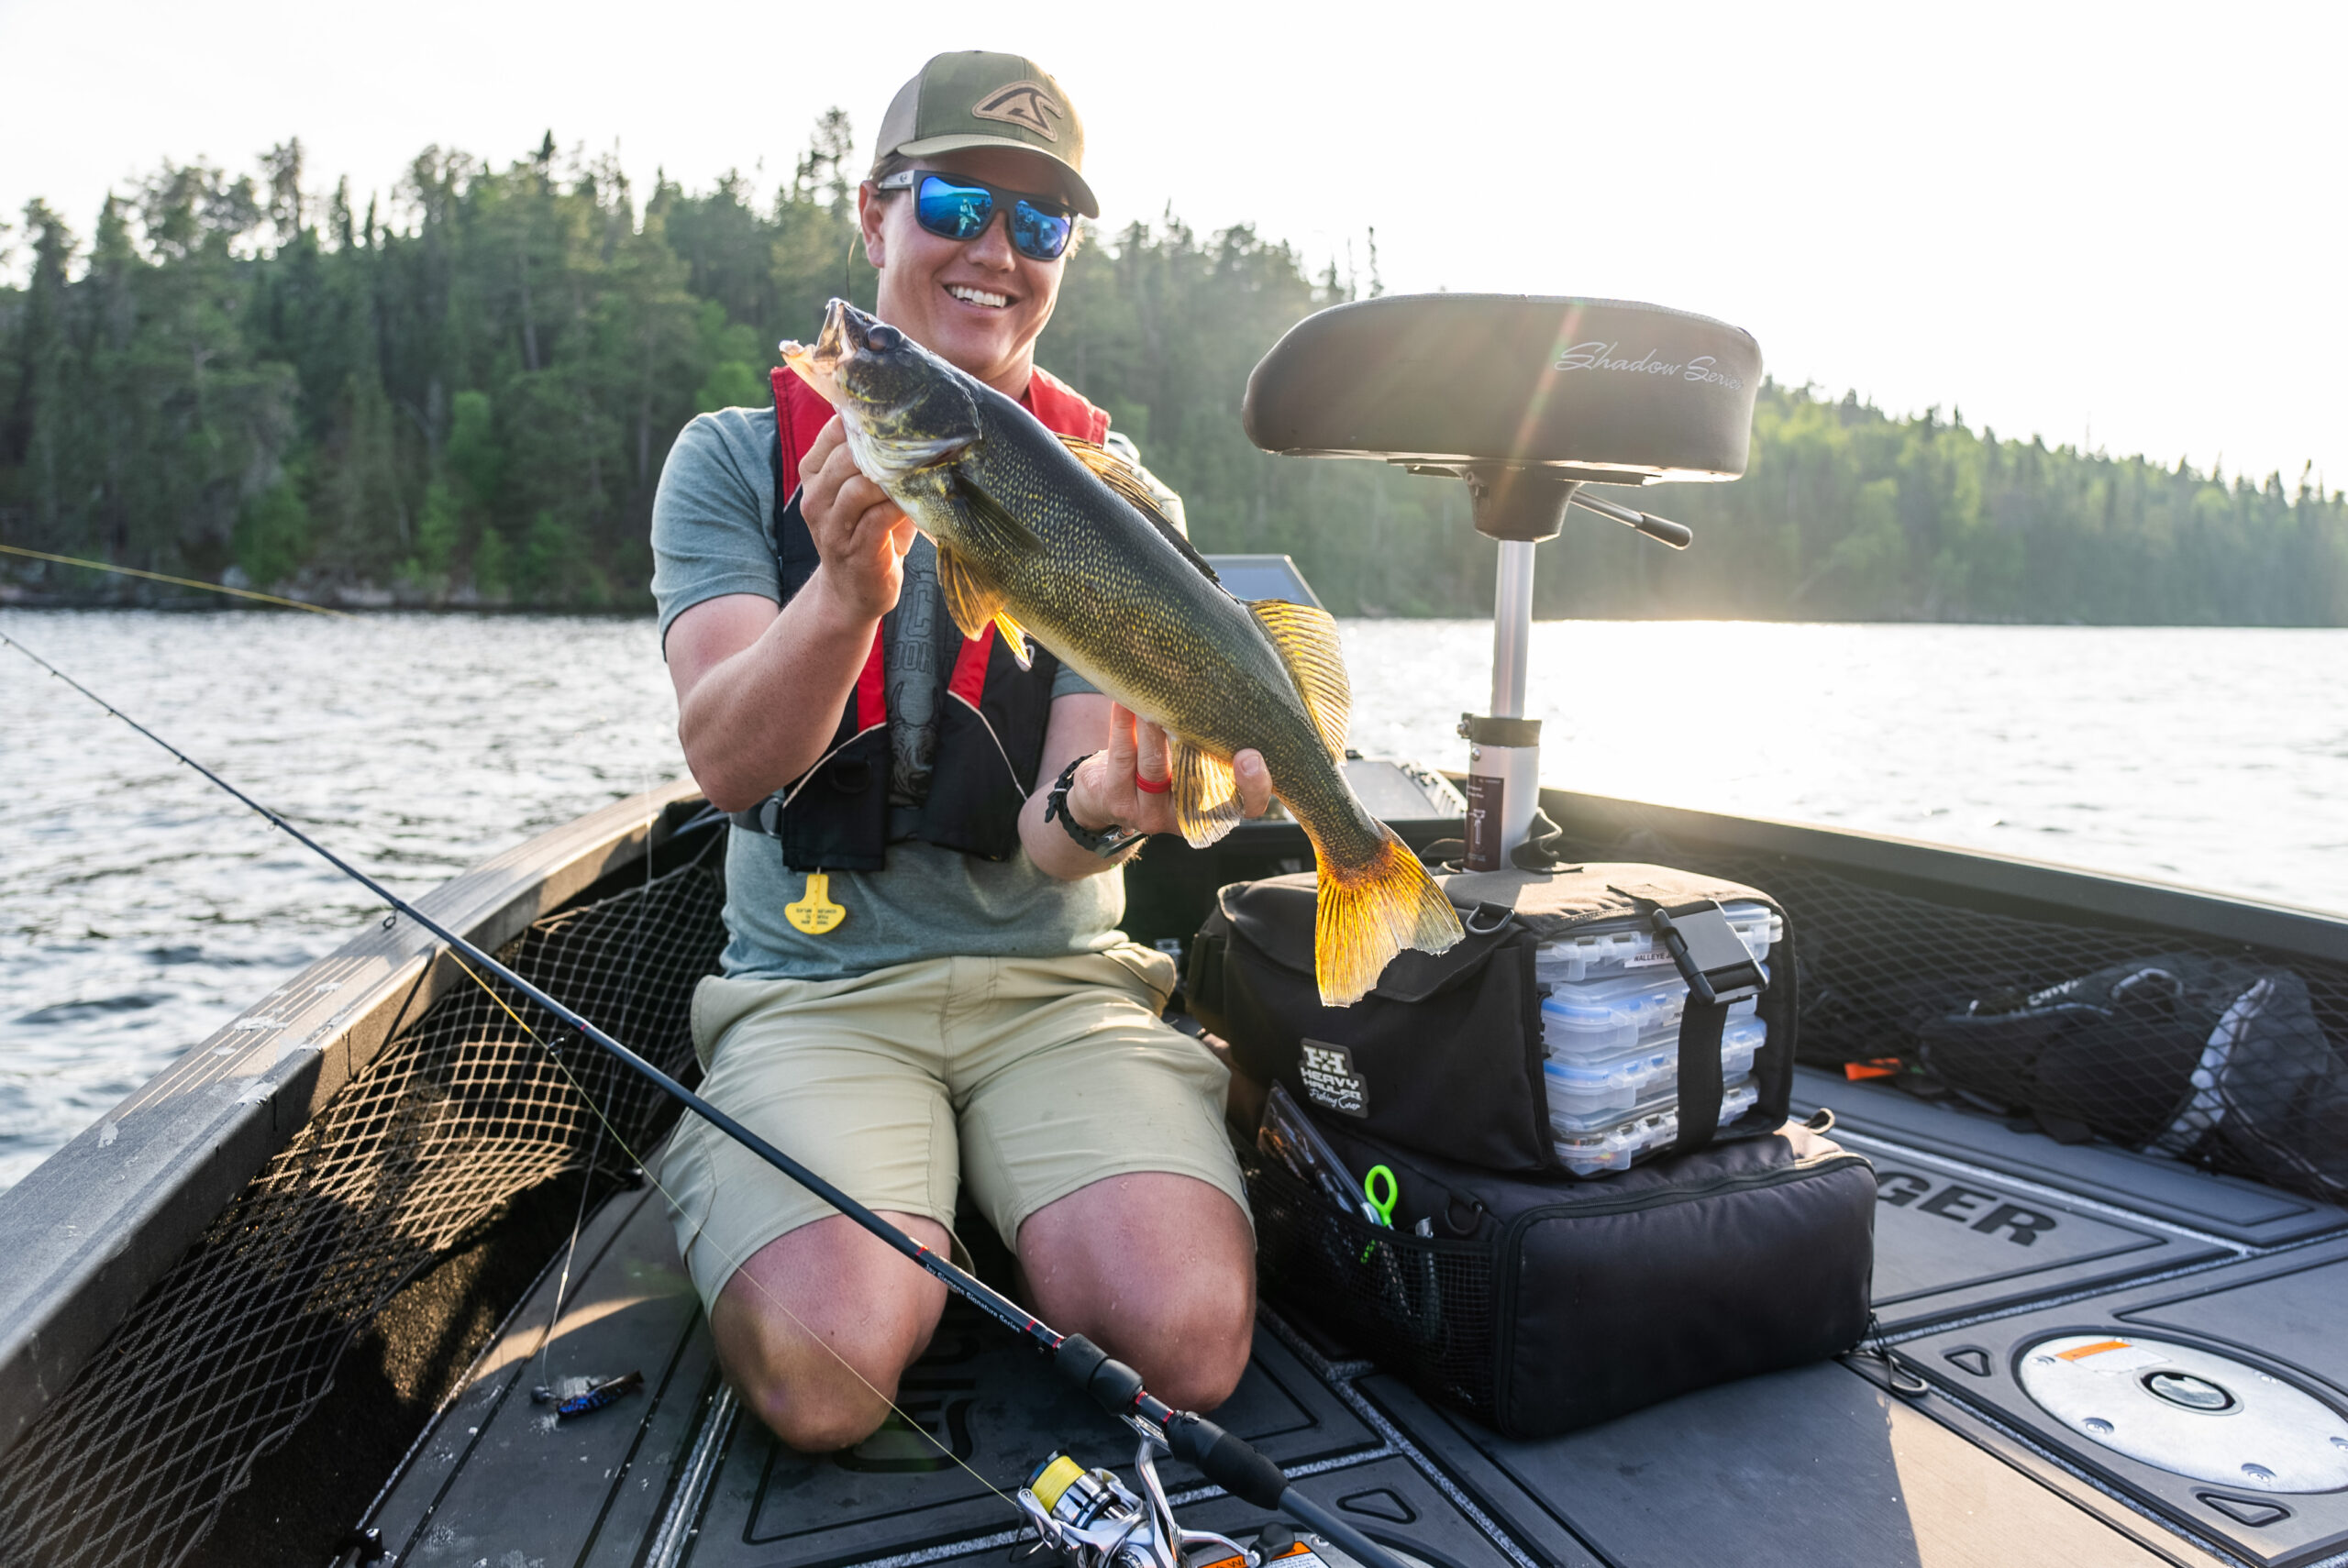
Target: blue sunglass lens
<point>1041,235</point>
<point>962,213</point>
<point>953,212</point>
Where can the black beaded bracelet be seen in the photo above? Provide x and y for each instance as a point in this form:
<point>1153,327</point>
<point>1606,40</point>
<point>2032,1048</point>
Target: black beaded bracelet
<point>1109,841</point>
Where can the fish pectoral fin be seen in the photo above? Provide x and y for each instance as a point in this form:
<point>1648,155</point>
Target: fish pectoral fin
<point>991,527</point>
<point>1206,795</point>
<point>1307,640</point>
<point>975,607</point>
<point>1134,490</point>
<point>973,604</point>
<point>1015,637</point>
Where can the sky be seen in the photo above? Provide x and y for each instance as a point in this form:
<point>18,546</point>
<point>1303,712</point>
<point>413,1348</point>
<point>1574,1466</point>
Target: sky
<point>2115,226</point>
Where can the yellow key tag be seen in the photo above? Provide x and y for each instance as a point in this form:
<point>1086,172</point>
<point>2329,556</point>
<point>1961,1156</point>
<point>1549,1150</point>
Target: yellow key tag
<point>816,913</point>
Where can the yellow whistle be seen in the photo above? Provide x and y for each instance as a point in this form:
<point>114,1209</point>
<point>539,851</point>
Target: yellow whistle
<point>815,913</point>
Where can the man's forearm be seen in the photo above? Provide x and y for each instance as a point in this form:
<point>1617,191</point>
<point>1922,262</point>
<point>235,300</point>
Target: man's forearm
<point>1079,726</point>
<point>767,713</point>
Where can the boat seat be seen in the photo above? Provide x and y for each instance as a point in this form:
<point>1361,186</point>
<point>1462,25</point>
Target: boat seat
<point>1604,390</point>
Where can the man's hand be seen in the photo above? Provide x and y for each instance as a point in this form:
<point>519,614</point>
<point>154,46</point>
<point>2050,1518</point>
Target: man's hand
<point>759,687</point>
<point>1103,791</point>
<point>860,534</point>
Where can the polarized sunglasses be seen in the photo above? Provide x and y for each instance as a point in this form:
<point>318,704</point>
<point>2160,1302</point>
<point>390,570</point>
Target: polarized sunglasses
<point>953,206</point>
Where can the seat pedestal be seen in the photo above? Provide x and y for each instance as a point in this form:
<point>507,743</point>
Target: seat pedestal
<point>1519,508</point>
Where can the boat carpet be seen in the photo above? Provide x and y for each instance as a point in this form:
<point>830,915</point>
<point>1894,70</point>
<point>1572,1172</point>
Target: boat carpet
<point>1818,1466</point>
<point>2279,1313</point>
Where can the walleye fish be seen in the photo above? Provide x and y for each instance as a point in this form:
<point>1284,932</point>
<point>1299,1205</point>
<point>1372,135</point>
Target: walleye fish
<point>1052,537</point>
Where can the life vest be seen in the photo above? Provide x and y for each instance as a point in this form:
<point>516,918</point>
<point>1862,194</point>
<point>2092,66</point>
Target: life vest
<point>989,727</point>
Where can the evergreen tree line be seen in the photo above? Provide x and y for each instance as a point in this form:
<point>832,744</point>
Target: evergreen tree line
<point>465,397</point>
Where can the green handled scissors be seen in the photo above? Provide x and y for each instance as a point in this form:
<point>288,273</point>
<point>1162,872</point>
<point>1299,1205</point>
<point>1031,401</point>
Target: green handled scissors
<point>1379,1191</point>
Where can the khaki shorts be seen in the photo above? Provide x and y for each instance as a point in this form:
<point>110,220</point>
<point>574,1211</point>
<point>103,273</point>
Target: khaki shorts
<point>1027,1078</point>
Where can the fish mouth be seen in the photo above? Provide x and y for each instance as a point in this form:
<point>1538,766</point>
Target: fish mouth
<point>847,331</point>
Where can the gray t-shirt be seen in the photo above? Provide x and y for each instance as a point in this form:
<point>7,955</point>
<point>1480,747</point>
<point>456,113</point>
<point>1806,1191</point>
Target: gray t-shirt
<point>709,538</point>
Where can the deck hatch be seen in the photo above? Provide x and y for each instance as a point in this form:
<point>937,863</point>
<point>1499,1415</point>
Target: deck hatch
<point>2279,1313</point>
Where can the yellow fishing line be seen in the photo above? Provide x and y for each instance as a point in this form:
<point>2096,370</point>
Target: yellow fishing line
<point>645,1166</point>
<point>181,582</point>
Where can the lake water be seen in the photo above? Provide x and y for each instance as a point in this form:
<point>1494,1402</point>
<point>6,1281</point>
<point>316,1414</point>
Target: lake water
<point>140,909</point>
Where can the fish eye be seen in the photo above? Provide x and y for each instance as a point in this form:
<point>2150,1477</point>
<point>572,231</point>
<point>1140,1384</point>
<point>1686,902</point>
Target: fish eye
<point>884,337</point>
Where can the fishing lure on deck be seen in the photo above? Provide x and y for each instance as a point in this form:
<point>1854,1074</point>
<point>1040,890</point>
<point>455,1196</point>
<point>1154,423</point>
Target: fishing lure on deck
<point>593,1397</point>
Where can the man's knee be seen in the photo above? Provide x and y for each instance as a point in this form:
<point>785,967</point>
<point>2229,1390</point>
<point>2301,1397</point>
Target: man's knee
<point>1196,1331</point>
<point>1160,1270</point>
<point>812,1398</point>
<point>813,1413</point>
<point>815,1330</point>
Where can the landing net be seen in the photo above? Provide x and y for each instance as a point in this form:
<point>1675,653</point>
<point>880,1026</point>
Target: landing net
<point>456,1116</point>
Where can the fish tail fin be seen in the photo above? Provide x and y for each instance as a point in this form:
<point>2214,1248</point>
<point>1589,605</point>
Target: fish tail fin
<point>1371,911</point>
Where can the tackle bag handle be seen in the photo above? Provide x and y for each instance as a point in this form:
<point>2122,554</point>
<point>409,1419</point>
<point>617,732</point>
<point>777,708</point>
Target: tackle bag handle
<point>1721,972</point>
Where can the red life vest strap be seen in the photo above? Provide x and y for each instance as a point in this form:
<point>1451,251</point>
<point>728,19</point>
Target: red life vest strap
<point>970,667</point>
<point>1063,409</point>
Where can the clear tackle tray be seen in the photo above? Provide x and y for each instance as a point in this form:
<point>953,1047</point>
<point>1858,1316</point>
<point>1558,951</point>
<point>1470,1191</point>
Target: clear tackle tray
<point>1649,1128</point>
<point>1627,946</point>
<point>1589,1096</point>
<point>1596,1020</point>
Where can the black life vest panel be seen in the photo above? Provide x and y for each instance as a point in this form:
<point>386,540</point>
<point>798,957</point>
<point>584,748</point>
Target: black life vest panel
<point>834,817</point>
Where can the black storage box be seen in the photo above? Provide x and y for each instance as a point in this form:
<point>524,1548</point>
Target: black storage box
<point>1543,1304</point>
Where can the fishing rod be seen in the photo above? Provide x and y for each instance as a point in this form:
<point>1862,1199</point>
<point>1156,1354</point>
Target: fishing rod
<point>177,581</point>
<point>1227,1459</point>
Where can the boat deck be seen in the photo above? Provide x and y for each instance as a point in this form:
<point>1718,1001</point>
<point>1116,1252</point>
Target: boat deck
<point>1987,1240</point>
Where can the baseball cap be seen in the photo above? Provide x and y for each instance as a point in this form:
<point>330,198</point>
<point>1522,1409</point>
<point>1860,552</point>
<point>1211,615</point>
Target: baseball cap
<point>977,99</point>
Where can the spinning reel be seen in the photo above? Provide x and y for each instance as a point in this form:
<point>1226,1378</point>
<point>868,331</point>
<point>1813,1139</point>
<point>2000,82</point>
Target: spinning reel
<point>1094,1520</point>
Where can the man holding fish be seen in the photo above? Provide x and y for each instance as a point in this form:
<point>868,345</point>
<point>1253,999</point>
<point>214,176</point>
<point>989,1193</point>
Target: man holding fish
<point>924,986</point>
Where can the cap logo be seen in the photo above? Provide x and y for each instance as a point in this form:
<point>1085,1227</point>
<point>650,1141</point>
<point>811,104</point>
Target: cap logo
<point>1027,104</point>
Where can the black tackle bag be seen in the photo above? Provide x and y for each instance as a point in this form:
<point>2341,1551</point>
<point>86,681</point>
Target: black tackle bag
<point>1444,1055</point>
<point>1542,1304</point>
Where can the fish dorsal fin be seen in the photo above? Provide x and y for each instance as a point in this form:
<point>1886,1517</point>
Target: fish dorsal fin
<point>1118,475</point>
<point>1112,470</point>
<point>1307,639</point>
<point>1206,795</point>
<point>992,528</point>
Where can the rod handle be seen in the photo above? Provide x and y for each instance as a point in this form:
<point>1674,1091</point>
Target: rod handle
<point>1229,1462</point>
<point>1111,1382</point>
